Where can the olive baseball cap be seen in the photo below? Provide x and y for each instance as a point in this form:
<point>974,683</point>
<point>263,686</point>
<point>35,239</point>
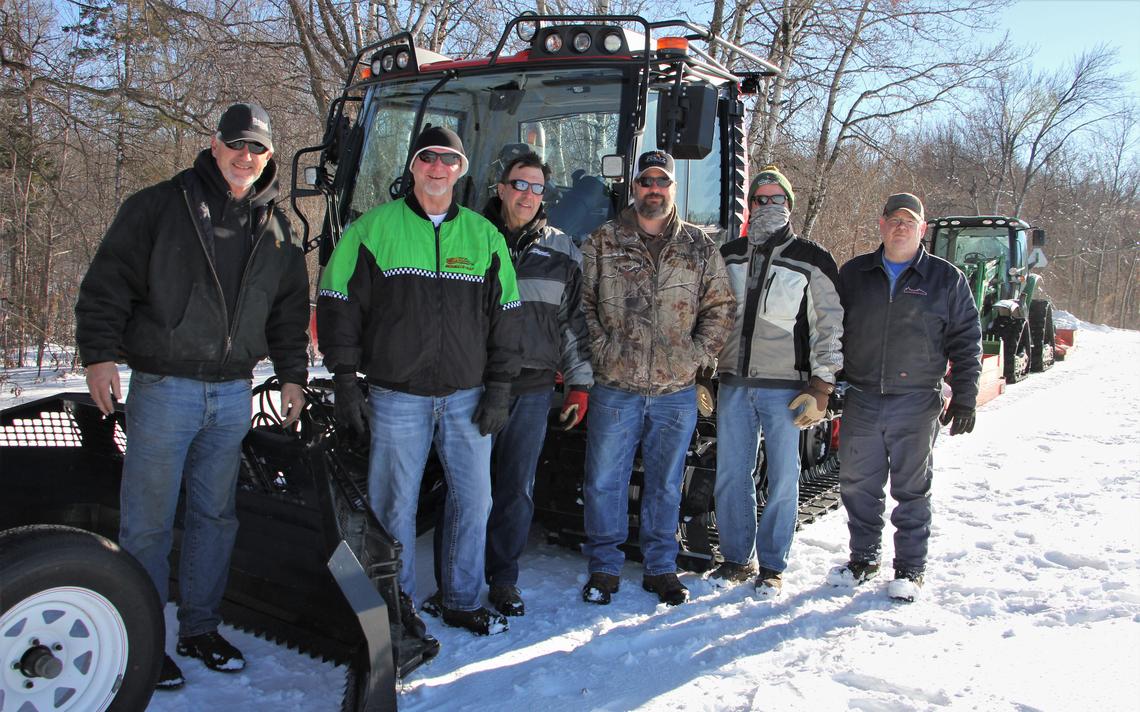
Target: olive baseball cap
<point>907,202</point>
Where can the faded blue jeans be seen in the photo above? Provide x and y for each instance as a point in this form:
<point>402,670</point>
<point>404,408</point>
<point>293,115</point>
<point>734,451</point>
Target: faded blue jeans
<point>617,422</point>
<point>184,430</point>
<point>403,429</point>
<point>742,415</point>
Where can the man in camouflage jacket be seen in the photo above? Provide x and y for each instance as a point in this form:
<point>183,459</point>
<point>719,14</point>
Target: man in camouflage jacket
<point>659,306</point>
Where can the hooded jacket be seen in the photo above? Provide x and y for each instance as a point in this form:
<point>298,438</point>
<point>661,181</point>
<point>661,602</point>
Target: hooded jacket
<point>789,321</point>
<point>153,296</point>
<point>900,342</point>
<point>653,322</point>
<point>548,268</point>
<point>417,308</point>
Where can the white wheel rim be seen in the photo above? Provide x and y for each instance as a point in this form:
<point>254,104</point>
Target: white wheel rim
<point>83,631</point>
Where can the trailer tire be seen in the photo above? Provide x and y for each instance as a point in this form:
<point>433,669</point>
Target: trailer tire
<point>1043,335</point>
<point>82,618</point>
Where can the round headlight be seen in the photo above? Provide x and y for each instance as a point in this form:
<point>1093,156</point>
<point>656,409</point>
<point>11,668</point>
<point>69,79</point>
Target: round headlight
<point>389,62</point>
<point>526,30</point>
<point>375,66</point>
<point>582,41</point>
<point>611,42</point>
<point>553,42</point>
<point>402,59</point>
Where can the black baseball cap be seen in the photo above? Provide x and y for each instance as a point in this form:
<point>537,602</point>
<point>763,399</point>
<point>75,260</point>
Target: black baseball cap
<point>441,140</point>
<point>246,122</point>
<point>655,159</point>
<point>904,201</point>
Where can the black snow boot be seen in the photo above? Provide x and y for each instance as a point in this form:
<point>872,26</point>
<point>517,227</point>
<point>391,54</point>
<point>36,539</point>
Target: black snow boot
<point>507,599</point>
<point>171,676</point>
<point>213,650</point>
<point>433,606</point>
<point>853,573</point>
<point>480,621</point>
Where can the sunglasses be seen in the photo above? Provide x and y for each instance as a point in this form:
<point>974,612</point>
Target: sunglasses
<point>650,181</point>
<point>447,159</point>
<point>240,145</point>
<point>522,186</point>
<point>756,200</point>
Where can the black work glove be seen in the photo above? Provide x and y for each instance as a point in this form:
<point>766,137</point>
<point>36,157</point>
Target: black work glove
<point>494,408</point>
<point>959,417</point>
<point>349,407</point>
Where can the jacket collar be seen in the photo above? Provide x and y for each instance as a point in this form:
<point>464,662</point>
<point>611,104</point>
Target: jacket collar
<point>918,264</point>
<point>411,201</point>
<point>526,234</point>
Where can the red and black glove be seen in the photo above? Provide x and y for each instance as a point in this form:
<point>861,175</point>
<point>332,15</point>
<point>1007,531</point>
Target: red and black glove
<point>574,407</point>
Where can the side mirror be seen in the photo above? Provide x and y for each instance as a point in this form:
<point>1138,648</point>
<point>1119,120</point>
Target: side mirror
<point>1037,237</point>
<point>613,167</point>
<point>686,121</point>
<point>312,176</point>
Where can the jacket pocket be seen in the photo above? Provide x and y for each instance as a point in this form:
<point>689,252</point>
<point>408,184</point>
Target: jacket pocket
<point>250,343</point>
<point>783,294</point>
<point>201,330</point>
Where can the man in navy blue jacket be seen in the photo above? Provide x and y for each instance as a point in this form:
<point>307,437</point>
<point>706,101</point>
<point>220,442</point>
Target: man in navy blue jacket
<point>906,313</point>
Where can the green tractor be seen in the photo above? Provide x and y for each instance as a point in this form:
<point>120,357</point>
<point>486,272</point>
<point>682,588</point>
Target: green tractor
<point>996,254</point>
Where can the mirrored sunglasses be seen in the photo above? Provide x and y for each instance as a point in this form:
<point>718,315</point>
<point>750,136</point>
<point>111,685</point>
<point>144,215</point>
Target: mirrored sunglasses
<point>447,159</point>
<point>241,144</point>
<point>522,186</point>
<point>765,199</point>
<point>650,181</point>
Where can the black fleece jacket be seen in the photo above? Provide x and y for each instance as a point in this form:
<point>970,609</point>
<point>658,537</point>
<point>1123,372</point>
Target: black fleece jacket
<point>154,294</point>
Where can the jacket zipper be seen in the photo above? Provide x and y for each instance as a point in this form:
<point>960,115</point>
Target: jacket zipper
<point>886,330</point>
<point>767,288</point>
<point>229,340</point>
<point>438,295</point>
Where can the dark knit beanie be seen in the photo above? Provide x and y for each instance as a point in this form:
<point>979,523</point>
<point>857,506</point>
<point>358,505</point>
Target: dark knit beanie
<point>440,139</point>
<point>771,174</point>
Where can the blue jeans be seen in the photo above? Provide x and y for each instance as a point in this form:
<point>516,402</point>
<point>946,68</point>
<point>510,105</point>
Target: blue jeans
<point>403,429</point>
<point>618,422</point>
<point>513,462</point>
<point>743,414</point>
<point>183,429</point>
<point>514,457</point>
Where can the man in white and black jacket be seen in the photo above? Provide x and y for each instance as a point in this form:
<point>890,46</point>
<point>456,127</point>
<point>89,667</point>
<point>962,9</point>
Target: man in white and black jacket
<point>776,373</point>
<point>197,279</point>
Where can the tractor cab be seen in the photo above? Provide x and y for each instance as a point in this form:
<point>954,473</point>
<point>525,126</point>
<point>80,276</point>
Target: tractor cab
<point>997,254</point>
<point>588,94</point>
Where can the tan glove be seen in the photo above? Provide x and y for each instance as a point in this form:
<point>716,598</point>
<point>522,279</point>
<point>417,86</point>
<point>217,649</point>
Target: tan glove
<point>706,392</point>
<point>813,400</point>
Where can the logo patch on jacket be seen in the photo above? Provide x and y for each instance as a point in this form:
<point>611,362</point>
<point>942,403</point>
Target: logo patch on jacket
<point>460,263</point>
<point>916,292</point>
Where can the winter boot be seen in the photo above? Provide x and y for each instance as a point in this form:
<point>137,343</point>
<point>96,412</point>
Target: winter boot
<point>600,587</point>
<point>213,650</point>
<point>171,676</point>
<point>854,573</point>
<point>507,599</point>
<point>668,588</point>
<point>769,583</point>
<point>907,585</point>
<point>433,606</point>
<point>479,621</point>
<point>730,573</point>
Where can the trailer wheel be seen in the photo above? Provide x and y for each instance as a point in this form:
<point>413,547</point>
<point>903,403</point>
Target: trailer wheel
<point>1044,335</point>
<point>81,627</point>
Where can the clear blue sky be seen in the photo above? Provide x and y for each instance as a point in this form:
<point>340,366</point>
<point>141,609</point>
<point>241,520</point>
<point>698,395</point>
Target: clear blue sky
<point>1061,29</point>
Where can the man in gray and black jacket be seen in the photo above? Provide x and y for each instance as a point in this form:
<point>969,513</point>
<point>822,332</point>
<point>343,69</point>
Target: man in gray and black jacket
<point>777,370</point>
<point>906,313</point>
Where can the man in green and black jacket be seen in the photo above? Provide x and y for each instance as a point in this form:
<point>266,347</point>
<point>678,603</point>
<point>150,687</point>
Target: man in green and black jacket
<point>421,297</point>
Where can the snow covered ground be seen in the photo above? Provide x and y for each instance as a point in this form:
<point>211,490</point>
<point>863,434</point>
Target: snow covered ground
<point>1032,599</point>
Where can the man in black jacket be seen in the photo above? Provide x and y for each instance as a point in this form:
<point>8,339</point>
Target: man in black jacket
<point>906,312</point>
<point>196,280</point>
